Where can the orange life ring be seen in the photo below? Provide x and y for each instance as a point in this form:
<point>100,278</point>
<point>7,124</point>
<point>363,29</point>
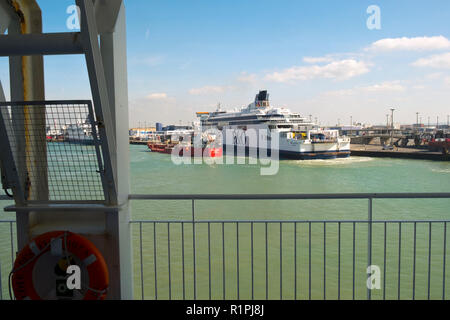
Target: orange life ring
<point>72,244</point>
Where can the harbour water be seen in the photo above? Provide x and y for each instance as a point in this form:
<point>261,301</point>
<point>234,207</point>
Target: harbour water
<point>272,260</point>
<point>268,272</point>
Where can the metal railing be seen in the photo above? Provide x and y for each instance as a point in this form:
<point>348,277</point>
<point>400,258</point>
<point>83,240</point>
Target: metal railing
<point>7,230</point>
<point>281,259</point>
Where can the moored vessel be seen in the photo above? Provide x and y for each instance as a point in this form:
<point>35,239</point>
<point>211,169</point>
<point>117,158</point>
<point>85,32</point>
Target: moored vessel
<point>79,133</point>
<point>298,137</point>
<point>180,143</point>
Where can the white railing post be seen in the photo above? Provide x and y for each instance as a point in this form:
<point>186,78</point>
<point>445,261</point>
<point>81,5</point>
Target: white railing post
<point>369,243</point>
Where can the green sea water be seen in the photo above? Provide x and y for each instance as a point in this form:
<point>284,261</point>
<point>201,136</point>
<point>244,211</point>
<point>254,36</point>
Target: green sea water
<point>287,260</point>
<point>247,260</point>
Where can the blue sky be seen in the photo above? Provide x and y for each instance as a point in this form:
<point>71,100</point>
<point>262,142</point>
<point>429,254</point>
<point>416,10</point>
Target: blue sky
<point>314,57</point>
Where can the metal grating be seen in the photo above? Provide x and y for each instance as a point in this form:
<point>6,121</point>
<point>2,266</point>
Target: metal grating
<point>55,148</point>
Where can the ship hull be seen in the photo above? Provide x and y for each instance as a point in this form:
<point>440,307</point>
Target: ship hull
<point>202,152</point>
<point>286,154</point>
<point>187,150</point>
<point>289,148</point>
<point>87,142</point>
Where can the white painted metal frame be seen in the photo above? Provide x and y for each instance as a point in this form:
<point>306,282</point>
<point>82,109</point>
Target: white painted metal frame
<point>86,41</point>
<point>41,44</point>
<point>7,156</point>
<point>8,163</point>
<point>9,180</point>
<point>89,38</point>
<point>2,99</point>
<point>110,100</point>
<point>114,55</point>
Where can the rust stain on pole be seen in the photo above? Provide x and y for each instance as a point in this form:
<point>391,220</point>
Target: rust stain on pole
<point>36,184</point>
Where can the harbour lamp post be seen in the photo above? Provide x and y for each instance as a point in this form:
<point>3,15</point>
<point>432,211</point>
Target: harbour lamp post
<point>392,126</point>
<point>417,124</point>
<point>351,124</point>
<point>387,123</point>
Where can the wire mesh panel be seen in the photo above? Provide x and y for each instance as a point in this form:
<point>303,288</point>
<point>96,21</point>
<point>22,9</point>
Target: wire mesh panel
<point>55,150</point>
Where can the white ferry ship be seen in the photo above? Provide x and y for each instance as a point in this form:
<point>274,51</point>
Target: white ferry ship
<point>299,138</point>
<point>79,133</point>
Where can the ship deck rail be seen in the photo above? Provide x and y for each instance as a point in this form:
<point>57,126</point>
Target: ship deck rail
<point>293,259</point>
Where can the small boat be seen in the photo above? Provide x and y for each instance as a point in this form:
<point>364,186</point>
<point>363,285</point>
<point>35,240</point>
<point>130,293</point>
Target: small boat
<point>175,141</point>
<point>160,147</point>
<point>440,142</point>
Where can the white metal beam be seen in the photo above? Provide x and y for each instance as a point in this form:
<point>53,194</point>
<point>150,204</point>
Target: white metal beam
<point>4,21</point>
<point>40,44</point>
<point>106,13</point>
<point>94,63</point>
<point>17,88</point>
<point>2,93</point>
<point>6,16</point>
<point>27,84</point>
<point>114,55</point>
<point>4,114</point>
<point>108,79</point>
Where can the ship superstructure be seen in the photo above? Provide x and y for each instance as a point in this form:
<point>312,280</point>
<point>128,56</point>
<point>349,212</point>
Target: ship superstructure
<point>79,132</point>
<point>299,138</point>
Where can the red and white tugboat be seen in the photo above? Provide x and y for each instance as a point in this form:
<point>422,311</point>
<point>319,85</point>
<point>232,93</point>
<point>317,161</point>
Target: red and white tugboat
<point>182,142</point>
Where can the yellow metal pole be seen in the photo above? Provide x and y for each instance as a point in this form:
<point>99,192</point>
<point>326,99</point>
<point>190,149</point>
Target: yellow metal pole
<point>32,72</point>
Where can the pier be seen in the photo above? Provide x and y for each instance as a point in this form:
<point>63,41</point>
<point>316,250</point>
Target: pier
<point>371,150</point>
<point>361,150</point>
<point>141,142</point>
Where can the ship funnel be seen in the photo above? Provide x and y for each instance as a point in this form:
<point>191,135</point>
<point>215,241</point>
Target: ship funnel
<point>262,96</point>
<point>262,99</point>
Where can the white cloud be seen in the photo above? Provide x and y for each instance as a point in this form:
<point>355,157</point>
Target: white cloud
<point>247,77</point>
<point>447,81</point>
<point>206,90</point>
<point>385,87</point>
<point>317,59</point>
<point>341,70</point>
<point>434,61</point>
<point>411,44</point>
<point>157,96</point>
<point>434,75</point>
